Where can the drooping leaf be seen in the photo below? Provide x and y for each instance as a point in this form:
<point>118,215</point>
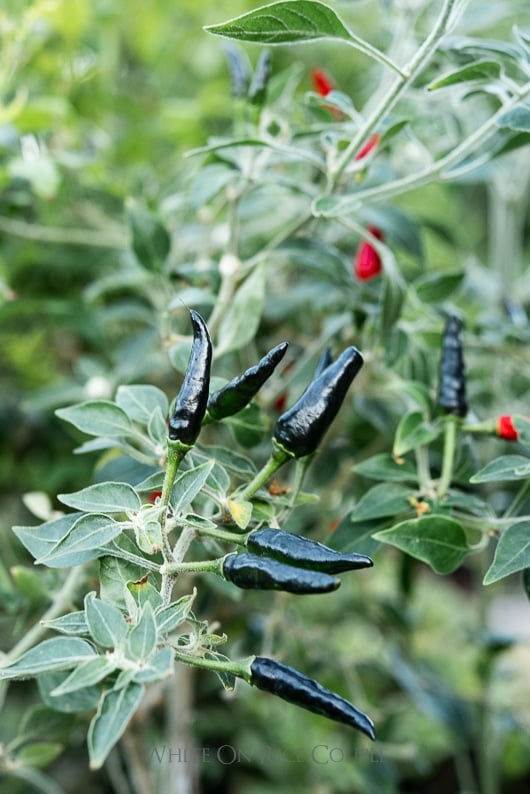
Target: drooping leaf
<point>512,553</point>
<point>115,709</point>
<point>437,540</point>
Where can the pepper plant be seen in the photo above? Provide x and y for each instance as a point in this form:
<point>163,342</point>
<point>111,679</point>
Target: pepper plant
<point>362,199</point>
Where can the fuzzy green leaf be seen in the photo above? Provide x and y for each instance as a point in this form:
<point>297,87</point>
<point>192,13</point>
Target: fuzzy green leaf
<point>115,709</point>
<point>507,467</point>
<point>140,401</point>
<point>58,653</point>
<point>97,418</point>
<point>385,499</point>
<point>106,623</point>
<point>242,319</point>
<point>104,497</point>
<point>188,485</point>
<point>142,638</point>
<point>512,553</point>
<point>480,70</point>
<point>413,431</point>
<point>86,541</point>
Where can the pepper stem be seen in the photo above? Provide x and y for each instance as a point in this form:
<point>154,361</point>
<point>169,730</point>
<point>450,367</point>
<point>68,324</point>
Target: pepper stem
<point>201,566</point>
<point>240,669</point>
<point>277,459</point>
<point>448,455</point>
<point>176,451</point>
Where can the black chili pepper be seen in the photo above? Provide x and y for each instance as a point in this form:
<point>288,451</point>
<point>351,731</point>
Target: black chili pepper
<point>452,387</point>
<point>295,687</point>
<point>259,573</point>
<point>323,362</point>
<point>303,552</point>
<point>190,405</point>
<point>258,86</point>
<point>239,70</point>
<point>236,394</point>
<point>300,429</point>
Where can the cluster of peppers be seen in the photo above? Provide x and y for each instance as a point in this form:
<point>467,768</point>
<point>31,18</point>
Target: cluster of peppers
<point>275,559</point>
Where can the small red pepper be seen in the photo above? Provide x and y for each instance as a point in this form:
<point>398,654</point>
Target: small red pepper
<point>506,429</point>
<point>321,82</point>
<point>370,144</point>
<point>367,263</point>
<point>153,496</point>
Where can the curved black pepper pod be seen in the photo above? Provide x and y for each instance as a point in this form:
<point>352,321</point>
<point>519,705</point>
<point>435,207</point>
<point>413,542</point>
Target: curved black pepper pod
<point>452,387</point>
<point>190,405</point>
<point>300,429</point>
<point>291,685</point>
<point>259,573</point>
<point>303,552</point>
<point>323,362</point>
<point>237,393</point>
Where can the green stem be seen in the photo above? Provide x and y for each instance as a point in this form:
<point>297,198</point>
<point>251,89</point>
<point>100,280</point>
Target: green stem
<point>299,475</point>
<point>201,566</point>
<point>240,669</point>
<point>373,52</point>
<point>405,77</point>
<point>221,534</point>
<point>448,455</point>
<point>277,459</point>
<point>175,455</point>
<point>48,234</point>
<point>424,472</point>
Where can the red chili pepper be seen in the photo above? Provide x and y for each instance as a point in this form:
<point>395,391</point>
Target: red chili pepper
<point>153,496</point>
<point>321,82</point>
<point>367,264</point>
<point>506,429</point>
<point>370,144</point>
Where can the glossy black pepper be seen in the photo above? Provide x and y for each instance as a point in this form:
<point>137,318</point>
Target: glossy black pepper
<point>303,552</point>
<point>291,685</point>
<point>236,394</point>
<point>260,573</point>
<point>300,429</point>
<point>452,387</point>
<point>323,363</point>
<point>190,405</point>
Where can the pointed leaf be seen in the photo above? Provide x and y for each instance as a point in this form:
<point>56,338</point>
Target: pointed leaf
<point>385,467</point>
<point>480,70</point>
<point>512,553</point>
<point>413,431</point>
<point>142,638</point>
<point>58,653</point>
<point>40,540</point>
<point>97,418</point>
<point>437,540</point>
<point>507,467</point>
<point>284,22</point>
<point>115,710</point>
<point>86,675</point>
<point>188,485</point>
<point>240,511</point>
<point>104,497</point>
<point>86,541</point>
<point>106,623</point>
<point>168,618</point>
<point>72,624</point>
<point>385,499</point>
<point>161,665</point>
<point>516,119</point>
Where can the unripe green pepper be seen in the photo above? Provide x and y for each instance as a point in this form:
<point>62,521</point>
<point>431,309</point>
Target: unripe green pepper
<point>291,685</point>
<point>303,552</point>
<point>259,573</point>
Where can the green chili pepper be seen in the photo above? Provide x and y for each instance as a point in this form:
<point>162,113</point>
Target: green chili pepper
<point>303,552</point>
<point>452,387</point>
<point>190,405</point>
<point>299,431</point>
<point>259,573</point>
<point>236,394</point>
<point>295,687</point>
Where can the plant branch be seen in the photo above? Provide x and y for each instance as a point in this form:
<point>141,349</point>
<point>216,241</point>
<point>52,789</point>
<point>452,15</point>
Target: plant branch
<point>96,238</point>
